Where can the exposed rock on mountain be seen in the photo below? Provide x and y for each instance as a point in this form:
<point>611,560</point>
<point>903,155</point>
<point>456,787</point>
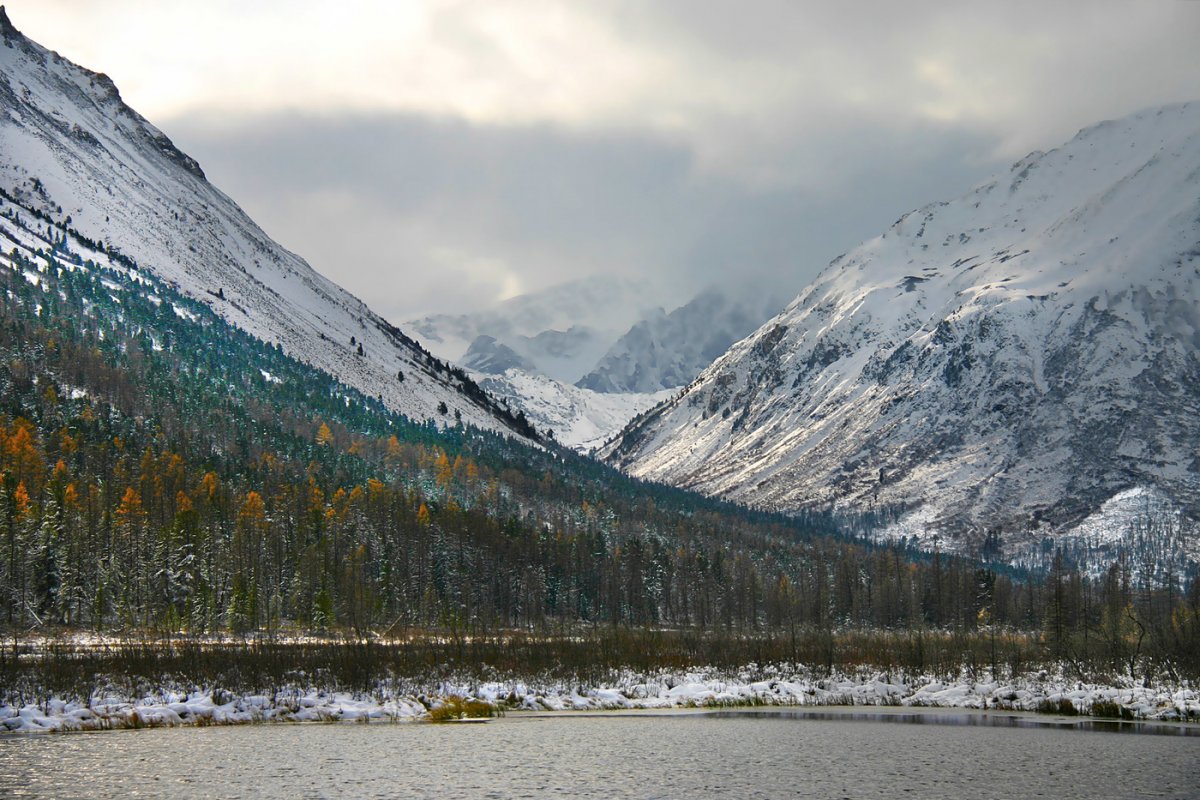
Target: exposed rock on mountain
<point>492,357</point>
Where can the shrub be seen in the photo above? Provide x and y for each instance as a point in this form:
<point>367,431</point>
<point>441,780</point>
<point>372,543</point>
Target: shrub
<point>1061,706</point>
<point>455,707</point>
<point>1110,709</point>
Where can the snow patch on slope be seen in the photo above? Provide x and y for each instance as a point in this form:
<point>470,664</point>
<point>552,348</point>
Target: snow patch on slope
<point>579,418</point>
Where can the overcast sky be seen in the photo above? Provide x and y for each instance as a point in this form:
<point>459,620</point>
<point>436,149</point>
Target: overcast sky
<point>437,156</point>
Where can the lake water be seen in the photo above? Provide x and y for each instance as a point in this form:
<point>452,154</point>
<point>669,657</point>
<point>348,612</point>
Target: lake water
<point>681,755</point>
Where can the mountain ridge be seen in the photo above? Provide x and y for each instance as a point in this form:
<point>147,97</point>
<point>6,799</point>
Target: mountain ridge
<point>74,149</point>
<point>972,358</point>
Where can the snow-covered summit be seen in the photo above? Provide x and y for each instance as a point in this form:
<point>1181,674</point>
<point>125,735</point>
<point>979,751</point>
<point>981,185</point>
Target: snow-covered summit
<point>72,149</point>
<point>1009,360</point>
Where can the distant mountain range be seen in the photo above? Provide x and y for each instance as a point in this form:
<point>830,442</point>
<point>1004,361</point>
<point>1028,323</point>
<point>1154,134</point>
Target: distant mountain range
<point>560,332</point>
<point>1004,363</point>
<point>988,374</point>
<point>582,358</point>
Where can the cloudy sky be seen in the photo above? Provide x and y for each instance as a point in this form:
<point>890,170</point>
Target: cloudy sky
<point>438,155</point>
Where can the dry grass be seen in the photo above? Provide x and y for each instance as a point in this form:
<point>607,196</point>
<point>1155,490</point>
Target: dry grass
<point>454,708</point>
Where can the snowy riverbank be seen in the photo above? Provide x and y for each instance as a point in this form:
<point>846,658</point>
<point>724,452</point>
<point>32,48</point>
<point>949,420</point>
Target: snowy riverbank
<point>693,689</point>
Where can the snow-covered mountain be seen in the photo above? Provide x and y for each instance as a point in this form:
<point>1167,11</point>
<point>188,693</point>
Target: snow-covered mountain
<point>491,357</point>
<point>1010,360</point>
<point>665,351</point>
<point>560,332</point>
<point>530,349</point>
<point>70,148</point>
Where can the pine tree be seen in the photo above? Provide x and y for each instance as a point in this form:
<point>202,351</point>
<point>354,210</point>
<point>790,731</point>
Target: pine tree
<point>240,618</point>
<point>128,558</point>
<point>324,435</point>
<point>45,562</point>
<point>323,616</point>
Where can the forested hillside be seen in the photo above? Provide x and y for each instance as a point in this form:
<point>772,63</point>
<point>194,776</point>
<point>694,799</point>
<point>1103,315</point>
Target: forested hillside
<point>161,466</point>
<point>165,471</point>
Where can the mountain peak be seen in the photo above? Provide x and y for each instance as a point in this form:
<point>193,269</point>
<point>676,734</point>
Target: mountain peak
<point>6,26</point>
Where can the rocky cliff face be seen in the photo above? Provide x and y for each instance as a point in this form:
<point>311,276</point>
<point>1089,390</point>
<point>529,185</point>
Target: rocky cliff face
<point>1008,360</point>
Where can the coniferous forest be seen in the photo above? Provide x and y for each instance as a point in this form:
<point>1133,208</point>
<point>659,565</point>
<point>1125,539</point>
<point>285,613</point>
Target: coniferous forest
<point>167,474</point>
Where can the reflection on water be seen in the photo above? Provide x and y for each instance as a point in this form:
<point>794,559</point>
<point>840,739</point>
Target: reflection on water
<point>983,719</point>
<point>754,754</point>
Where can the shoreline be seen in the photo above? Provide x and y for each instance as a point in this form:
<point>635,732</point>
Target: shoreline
<point>1040,696</point>
<point>948,716</point>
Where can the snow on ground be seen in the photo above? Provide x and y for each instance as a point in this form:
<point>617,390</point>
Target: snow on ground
<point>198,708</point>
<point>1124,512</point>
<point>580,418</point>
<point>1128,525</point>
<point>918,525</point>
<point>700,688</point>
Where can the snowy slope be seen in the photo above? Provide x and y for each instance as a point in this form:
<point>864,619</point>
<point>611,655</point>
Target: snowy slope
<point>579,418</point>
<point>70,148</point>
<point>561,331</point>
<point>1011,359</point>
<point>665,351</point>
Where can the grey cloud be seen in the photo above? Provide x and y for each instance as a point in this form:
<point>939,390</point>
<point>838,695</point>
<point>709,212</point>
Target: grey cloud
<point>1027,72</point>
<point>377,201</point>
<point>773,136</point>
